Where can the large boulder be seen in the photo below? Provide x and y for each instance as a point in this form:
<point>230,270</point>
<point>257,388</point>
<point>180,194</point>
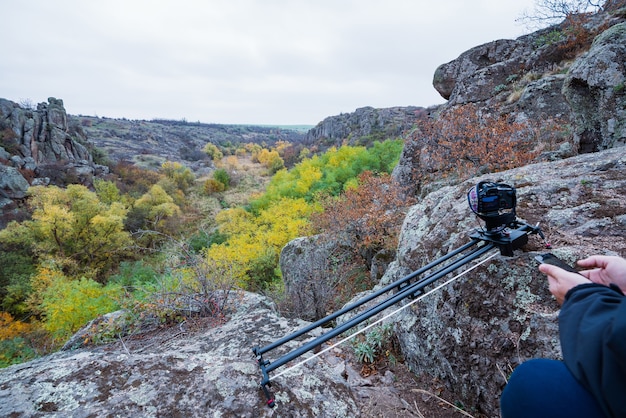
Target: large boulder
<point>472,333</point>
<point>548,75</point>
<point>311,270</point>
<point>595,88</point>
<point>208,373</point>
<point>12,184</point>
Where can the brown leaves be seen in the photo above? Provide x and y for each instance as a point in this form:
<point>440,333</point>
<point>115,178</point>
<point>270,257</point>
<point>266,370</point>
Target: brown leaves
<point>466,141</point>
<point>370,214</point>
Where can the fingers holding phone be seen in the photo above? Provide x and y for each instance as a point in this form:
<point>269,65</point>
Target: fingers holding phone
<point>561,276</point>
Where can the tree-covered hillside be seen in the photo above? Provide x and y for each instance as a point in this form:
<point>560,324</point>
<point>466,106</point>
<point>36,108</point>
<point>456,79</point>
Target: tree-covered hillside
<point>167,244</point>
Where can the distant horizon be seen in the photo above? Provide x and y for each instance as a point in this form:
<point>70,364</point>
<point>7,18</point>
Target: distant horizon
<point>185,121</point>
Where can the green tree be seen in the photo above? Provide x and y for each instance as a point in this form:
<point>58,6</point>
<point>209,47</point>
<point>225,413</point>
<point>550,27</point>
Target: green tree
<point>330,172</point>
<point>222,176</point>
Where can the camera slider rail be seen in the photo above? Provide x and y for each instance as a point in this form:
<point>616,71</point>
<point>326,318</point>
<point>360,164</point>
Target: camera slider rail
<point>508,239</point>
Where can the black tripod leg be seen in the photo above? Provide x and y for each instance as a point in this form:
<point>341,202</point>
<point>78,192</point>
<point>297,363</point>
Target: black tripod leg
<point>268,395</point>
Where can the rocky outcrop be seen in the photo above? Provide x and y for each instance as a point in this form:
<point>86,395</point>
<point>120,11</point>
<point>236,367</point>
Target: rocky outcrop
<point>37,146</point>
<point>12,184</point>
<point>543,75</point>
<point>595,88</point>
<point>472,333</point>
<point>41,134</point>
<point>364,125</point>
<point>210,373</point>
<point>305,266</point>
<point>540,77</point>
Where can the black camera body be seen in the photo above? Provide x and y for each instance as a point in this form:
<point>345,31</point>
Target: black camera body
<point>494,203</point>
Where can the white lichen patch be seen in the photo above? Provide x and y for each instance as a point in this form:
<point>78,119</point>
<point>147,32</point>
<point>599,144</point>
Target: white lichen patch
<point>62,395</point>
<point>245,368</point>
<point>143,395</point>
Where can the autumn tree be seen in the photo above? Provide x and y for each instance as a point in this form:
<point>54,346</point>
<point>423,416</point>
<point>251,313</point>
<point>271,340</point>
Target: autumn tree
<point>181,176</point>
<point>67,304</point>
<point>153,215</point>
<point>133,180</point>
<point>330,172</point>
<point>368,216</point>
<point>270,160</point>
<point>546,12</point>
<point>213,151</point>
<point>254,241</point>
<point>73,227</point>
<point>355,228</point>
<point>466,141</point>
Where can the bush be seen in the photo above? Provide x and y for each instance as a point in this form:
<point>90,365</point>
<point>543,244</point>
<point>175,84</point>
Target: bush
<point>69,304</point>
<point>133,273</point>
<point>465,142</point>
<point>212,186</point>
<point>377,345</point>
<point>14,351</point>
<point>222,176</point>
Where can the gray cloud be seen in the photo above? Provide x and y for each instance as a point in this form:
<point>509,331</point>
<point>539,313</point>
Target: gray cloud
<point>240,61</point>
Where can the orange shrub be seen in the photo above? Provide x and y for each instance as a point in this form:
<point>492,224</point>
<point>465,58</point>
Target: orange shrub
<point>10,328</point>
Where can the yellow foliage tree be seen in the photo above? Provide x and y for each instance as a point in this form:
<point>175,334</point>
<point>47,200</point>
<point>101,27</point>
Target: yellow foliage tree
<point>181,176</point>
<point>213,151</point>
<point>75,228</point>
<point>158,206</point>
<point>254,242</point>
<point>69,304</point>
<point>271,160</point>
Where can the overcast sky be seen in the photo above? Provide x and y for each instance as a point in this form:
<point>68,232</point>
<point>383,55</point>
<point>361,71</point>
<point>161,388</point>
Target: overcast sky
<point>240,61</point>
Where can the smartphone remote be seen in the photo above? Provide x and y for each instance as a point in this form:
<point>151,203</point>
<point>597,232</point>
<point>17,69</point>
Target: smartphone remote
<point>549,258</point>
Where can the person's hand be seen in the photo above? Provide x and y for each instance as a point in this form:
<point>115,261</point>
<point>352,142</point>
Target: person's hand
<point>561,281</point>
<point>605,270</point>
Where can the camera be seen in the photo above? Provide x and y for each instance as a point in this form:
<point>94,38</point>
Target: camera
<point>494,203</point>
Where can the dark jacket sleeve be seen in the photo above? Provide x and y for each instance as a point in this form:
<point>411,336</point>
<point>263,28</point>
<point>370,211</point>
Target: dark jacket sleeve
<point>592,327</point>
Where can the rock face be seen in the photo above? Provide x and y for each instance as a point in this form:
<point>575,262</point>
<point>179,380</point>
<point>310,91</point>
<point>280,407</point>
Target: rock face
<point>524,78</point>
<point>364,125</point>
<point>212,373</point>
<point>537,78</point>
<point>472,333</point>
<point>41,134</point>
<point>306,265</point>
<point>595,88</point>
<point>38,147</point>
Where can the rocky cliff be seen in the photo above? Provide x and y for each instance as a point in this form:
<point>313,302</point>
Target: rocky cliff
<point>364,125</point>
<point>573,73</point>
<point>551,73</point>
<point>472,333</point>
<point>190,372</point>
<point>38,146</point>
